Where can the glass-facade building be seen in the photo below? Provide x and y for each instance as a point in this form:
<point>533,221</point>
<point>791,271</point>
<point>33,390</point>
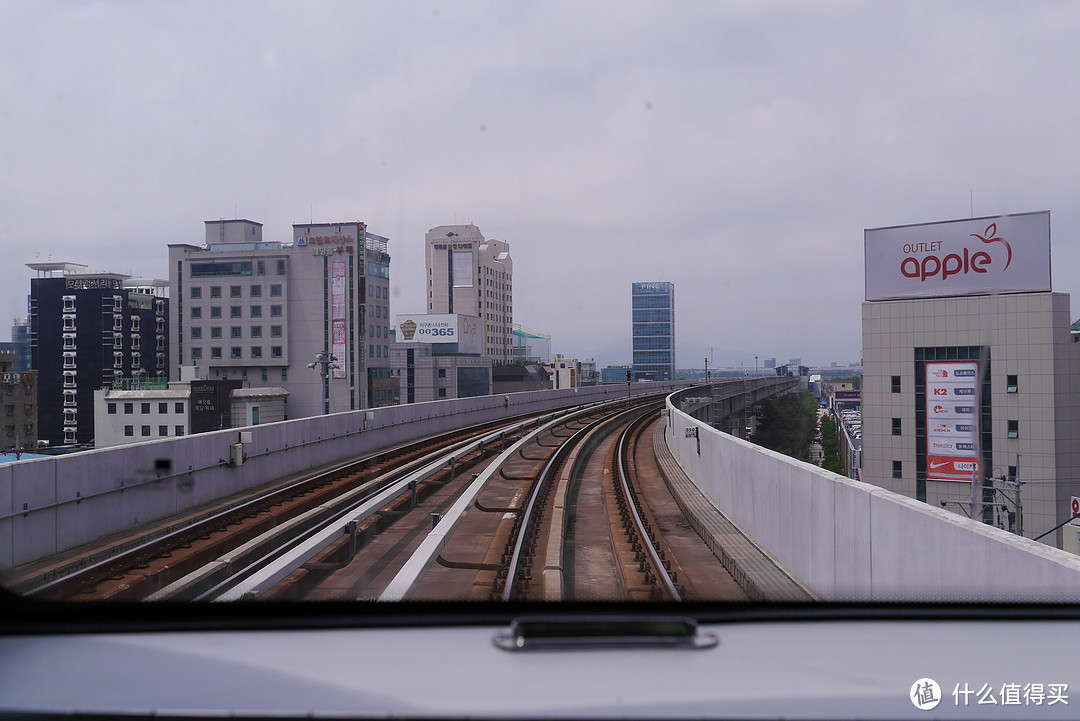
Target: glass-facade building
<point>653,307</point>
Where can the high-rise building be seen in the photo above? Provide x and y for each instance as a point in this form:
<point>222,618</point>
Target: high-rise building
<point>469,275</point>
<point>262,311</point>
<point>969,373</point>
<point>20,344</point>
<point>89,331</point>
<point>653,308</point>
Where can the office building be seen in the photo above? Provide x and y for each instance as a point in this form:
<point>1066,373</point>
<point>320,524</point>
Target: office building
<point>438,356</point>
<point>653,308</point>
<point>261,311</point>
<point>970,377</point>
<point>18,399</point>
<point>470,275</point>
<point>20,344</point>
<point>88,331</point>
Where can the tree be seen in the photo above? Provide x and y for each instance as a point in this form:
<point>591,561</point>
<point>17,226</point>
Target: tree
<point>786,424</point>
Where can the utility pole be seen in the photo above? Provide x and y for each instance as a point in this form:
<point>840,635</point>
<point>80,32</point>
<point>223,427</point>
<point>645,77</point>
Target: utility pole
<point>325,360</point>
<point>707,378</point>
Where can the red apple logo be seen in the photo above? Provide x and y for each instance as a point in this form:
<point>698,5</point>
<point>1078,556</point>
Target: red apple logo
<point>990,238</point>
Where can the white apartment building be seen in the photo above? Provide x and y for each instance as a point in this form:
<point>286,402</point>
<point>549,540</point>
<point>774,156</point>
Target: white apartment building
<point>970,376</point>
<point>261,311</point>
<point>470,275</point>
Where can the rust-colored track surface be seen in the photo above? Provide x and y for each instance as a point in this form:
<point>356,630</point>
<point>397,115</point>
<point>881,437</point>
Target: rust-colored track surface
<point>137,573</point>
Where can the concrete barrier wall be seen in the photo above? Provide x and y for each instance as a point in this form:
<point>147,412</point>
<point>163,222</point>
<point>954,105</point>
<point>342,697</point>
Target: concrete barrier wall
<point>52,504</point>
<point>852,541</point>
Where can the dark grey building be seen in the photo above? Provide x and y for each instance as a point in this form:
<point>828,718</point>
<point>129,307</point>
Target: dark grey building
<point>91,331</point>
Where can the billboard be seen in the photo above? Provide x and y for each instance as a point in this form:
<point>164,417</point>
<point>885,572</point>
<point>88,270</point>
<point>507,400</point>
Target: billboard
<point>441,328</point>
<point>337,316</point>
<point>1002,254</point>
<point>952,420</point>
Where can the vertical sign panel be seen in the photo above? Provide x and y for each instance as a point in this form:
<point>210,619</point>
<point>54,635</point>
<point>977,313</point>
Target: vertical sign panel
<point>337,316</point>
<point>952,420</point>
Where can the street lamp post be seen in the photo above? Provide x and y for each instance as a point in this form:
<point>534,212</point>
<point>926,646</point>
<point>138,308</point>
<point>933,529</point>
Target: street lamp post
<point>325,360</point>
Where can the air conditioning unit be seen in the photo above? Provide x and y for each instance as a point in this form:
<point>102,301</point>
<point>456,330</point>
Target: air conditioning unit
<point>236,455</point>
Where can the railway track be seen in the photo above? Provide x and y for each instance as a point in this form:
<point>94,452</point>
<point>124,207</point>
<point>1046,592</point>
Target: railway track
<point>245,532</point>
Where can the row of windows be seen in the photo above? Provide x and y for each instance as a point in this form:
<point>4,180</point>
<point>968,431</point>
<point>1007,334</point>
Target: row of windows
<point>651,301</point>
<point>118,323</point>
<point>236,291</point>
<point>236,331</point>
<point>9,409</point>
<point>144,407</point>
<point>236,311</point>
<point>656,315</point>
<point>162,431</point>
<point>9,430</point>
<point>236,352</point>
<point>378,351</point>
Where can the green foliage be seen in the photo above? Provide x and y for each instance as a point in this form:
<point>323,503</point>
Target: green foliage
<point>829,445</point>
<point>787,423</point>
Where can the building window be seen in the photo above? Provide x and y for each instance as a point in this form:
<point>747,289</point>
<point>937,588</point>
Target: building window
<point>284,374</point>
<point>1011,384</point>
<point>112,409</point>
<point>256,291</point>
<point>69,341</point>
<point>215,353</point>
<point>236,311</point>
<point>69,379</point>
<point>215,311</point>
<point>256,311</point>
<point>260,267</point>
<point>179,430</point>
<point>196,312</point>
<point>196,332</point>
<point>215,332</point>
<point>264,375</point>
<point>163,408</point>
<point>281,267</point>
<point>442,372</point>
<point>69,322</point>
<point>196,354</point>
<point>136,342</point>
<point>256,352</point>
<point>69,360</point>
<point>129,408</point>
<point>275,290</point>
<point>69,304</point>
<point>215,291</point>
<point>136,359</point>
<point>234,291</point>
<point>163,430</point>
<point>144,408</point>
<point>1014,429</point>
<point>275,351</point>
<point>236,332</point>
<point>146,431</point>
<point>129,430</point>
<point>275,311</point>
<point>897,469</point>
<point>896,384</point>
<point>178,407</point>
<point>275,331</point>
<point>118,359</point>
<point>256,331</point>
<point>235,352</point>
<point>196,292</point>
<point>896,427</point>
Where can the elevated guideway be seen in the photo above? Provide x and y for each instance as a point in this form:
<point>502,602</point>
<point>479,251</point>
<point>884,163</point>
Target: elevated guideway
<point>847,540</point>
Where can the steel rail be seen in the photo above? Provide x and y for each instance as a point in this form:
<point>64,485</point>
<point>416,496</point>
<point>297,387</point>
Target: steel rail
<point>261,574</point>
<point>624,480</point>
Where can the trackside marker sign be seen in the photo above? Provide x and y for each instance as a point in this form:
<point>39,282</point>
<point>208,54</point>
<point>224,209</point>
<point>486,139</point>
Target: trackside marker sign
<point>1002,254</point>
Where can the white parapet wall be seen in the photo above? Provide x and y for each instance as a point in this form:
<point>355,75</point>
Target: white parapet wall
<point>848,540</point>
<point>48,505</point>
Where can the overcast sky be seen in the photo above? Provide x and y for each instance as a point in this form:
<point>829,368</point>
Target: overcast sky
<point>736,149</point>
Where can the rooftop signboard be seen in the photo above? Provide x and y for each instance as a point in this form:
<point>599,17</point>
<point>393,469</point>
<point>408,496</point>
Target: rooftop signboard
<point>1000,254</point>
<point>441,328</point>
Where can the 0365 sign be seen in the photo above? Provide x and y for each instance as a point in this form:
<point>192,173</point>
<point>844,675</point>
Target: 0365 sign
<point>1002,254</point>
